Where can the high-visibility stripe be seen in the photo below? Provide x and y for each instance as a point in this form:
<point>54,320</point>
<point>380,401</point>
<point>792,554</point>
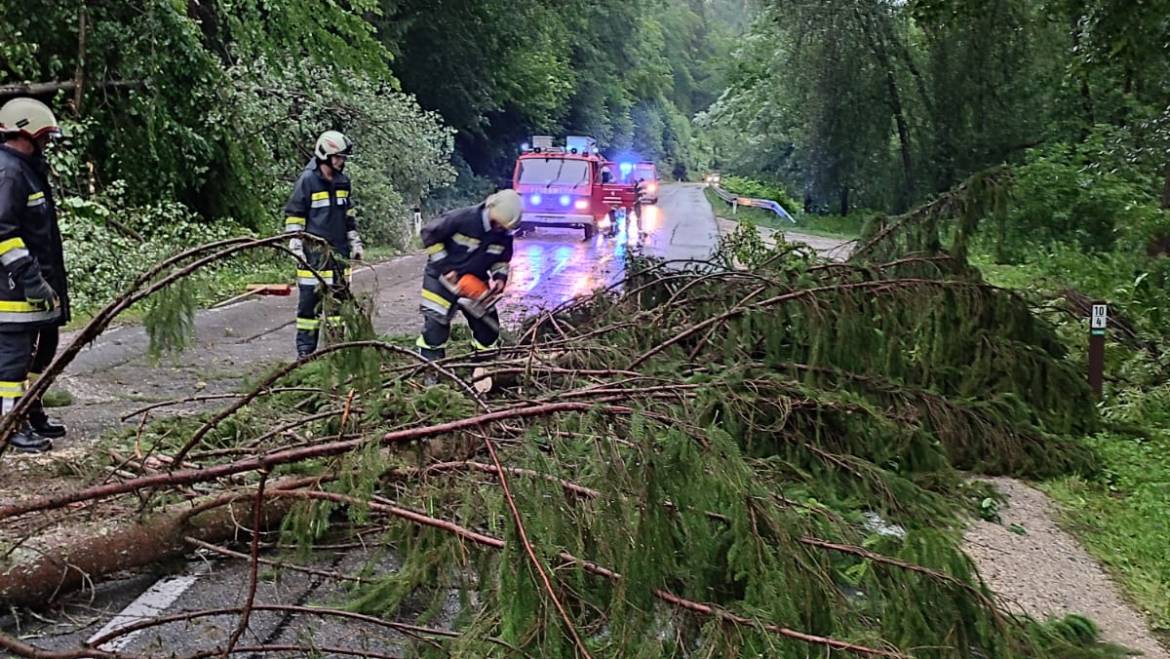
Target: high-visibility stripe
<point>437,256</point>
<point>334,321</point>
<point>436,298</point>
<point>11,389</point>
<point>327,275</point>
<point>500,268</point>
<point>18,306</point>
<point>342,194</point>
<point>479,347</point>
<point>20,317</point>
<point>37,199</point>
<point>495,249</point>
<point>319,195</point>
<point>422,343</point>
<point>310,324</point>
<point>11,244</point>
<point>293,220</point>
<point>13,255</point>
<point>435,249</point>
<point>465,241</point>
<point>320,203</point>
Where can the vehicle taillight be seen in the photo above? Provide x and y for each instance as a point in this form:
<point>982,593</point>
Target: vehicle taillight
<point>652,187</point>
<point>581,204</point>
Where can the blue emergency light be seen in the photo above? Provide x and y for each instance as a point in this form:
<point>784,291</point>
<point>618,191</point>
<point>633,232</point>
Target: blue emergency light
<point>566,200</point>
<point>534,200</point>
<point>626,168</point>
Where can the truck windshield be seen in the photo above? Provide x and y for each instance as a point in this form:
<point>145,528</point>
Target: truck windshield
<point>646,172</point>
<point>555,171</point>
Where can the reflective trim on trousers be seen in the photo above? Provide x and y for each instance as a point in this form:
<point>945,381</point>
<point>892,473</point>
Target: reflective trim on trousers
<point>434,302</point>
<point>422,343</point>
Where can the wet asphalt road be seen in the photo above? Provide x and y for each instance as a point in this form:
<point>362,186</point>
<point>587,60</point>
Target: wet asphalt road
<point>113,377</point>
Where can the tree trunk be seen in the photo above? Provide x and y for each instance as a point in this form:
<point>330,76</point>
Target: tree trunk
<point>90,553</point>
<point>844,200</point>
<point>881,52</point>
<point>79,72</point>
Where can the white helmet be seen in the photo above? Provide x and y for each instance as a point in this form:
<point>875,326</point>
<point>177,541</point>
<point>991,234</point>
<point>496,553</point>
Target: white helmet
<point>28,117</point>
<point>505,207</point>
<point>333,143</point>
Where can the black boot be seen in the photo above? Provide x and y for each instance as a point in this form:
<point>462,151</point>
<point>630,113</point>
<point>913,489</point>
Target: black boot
<point>43,425</point>
<point>27,441</point>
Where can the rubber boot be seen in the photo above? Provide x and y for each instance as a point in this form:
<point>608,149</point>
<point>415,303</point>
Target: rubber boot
<point>43,425</point>
<point>27,441</point>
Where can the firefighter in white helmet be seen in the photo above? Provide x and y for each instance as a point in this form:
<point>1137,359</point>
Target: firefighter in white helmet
<point>321,205</point>
<point>476,241</point>
<point>34,295</point>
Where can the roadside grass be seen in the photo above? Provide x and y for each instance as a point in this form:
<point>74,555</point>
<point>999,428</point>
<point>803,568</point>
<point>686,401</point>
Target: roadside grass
<point>1121,515</point>
<point>1123,518</point>
<point>828,226</point>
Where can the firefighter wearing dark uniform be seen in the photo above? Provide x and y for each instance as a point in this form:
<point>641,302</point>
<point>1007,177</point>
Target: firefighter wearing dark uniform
<point>476,240</point>
<point>321,205</point>
<point>34,295</point>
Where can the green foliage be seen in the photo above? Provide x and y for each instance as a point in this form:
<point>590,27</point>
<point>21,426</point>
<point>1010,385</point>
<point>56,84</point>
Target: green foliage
<point>402,152</point>
<point>170,318</point>
<point>747,187</point>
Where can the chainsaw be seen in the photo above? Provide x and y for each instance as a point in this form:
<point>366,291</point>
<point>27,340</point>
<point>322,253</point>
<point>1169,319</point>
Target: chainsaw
<point>475,297</point>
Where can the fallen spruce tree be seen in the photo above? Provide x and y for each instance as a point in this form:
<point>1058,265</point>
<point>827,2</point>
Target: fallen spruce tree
<point>711,462</point>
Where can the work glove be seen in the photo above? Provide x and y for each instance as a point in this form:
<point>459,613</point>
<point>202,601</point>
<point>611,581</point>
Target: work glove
<point>38,293</point>
<point>297,247</point>
<point>357,250</point>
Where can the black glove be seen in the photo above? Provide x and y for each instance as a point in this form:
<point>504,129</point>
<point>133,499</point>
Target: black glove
<point>37,291</point>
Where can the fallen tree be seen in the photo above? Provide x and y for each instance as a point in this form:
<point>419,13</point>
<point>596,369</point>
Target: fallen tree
<point>708,463</point>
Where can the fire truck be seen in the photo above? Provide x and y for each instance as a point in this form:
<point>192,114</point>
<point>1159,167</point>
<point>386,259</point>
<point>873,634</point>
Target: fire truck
<point>569,186</point>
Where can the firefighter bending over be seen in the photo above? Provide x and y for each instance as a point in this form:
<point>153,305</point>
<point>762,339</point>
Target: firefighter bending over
<point>467,248</point>
<point>34,295</point>
<point>321,205</point>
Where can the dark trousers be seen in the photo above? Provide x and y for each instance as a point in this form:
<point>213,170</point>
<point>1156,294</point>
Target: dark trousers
<point>438,309</point>
<point>24,355</point>
<point>311,294</point>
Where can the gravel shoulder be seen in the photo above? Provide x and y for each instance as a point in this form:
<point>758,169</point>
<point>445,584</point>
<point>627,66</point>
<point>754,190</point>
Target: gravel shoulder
<point>1044,572</point>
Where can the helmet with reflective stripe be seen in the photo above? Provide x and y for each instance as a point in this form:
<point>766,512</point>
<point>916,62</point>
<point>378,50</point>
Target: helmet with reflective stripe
<point>28,117</point>
<point>504,207</point>
<point>333,143</point>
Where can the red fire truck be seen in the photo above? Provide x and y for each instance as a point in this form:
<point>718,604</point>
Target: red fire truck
<point>564,186</point>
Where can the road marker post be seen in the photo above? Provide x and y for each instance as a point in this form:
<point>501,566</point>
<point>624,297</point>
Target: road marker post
<point>1098,323</point>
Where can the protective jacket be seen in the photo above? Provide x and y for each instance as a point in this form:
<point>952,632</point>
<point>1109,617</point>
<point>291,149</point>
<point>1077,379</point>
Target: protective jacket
<point>464,241</point>
<point>322,208</point>
<point>30,244</point>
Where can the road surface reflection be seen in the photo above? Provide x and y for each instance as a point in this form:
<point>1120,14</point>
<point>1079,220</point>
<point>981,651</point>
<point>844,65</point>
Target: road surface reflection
<point>553,266</point>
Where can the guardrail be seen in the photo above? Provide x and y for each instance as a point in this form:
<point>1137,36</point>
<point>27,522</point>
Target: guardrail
<point>767,204</point>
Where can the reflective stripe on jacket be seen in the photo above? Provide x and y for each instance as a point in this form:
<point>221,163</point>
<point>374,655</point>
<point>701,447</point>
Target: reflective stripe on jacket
<point>322,208</point>
<point>464,241</point>
<point>29,238</point>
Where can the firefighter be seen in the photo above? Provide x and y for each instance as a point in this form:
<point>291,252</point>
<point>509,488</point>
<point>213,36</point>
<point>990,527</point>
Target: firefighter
<point>477,241</point>
<point>34,295</point>
<point>321,205</point>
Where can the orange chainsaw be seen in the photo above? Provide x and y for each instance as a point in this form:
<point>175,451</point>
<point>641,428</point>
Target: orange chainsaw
<point>475,296</point>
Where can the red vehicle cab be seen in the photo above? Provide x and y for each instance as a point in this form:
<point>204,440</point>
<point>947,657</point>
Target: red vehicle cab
<point>563,187</point>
